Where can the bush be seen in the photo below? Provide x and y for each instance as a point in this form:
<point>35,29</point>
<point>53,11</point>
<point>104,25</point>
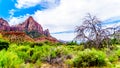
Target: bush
<point>72,43</point>
<point>3,44</point>
<point>39,53</point>
<point>9,60</point>
<point>114,41</point>
<point>37,44</point>
<point>50,54</point>
<point>77,48</point>
<point>113,58</point>
<point>90,58</point>
<point>112,55</point>
<point>118,53</point>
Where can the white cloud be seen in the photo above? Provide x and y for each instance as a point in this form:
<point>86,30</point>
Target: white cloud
<point>64,36</point>
<point>26,3</point>
<point>17,20</point>
<point>11,12</point>
<point>71,12</point>
<point>31,3</point>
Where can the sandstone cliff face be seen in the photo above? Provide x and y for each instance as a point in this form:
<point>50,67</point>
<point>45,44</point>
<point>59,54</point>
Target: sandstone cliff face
<point>32,28</point>
<point>31,25</point>
<point>4,26</point>
<point>47,33</point>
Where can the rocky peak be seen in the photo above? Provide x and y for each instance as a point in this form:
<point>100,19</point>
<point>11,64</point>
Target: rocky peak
<point>4,26</point>
<point>31,25</point>
<point>47,33</point>
<point>30,18</point>
<point>3,22</point>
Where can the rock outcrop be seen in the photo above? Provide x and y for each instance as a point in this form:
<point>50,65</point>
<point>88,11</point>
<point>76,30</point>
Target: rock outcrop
<point>4,26</point>
<point>47,33</point>
<point>17,37</point>
<point>30,27</point>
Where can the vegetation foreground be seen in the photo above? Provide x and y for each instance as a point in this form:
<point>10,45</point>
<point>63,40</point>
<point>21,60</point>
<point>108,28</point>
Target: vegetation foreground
<point>49,55</point>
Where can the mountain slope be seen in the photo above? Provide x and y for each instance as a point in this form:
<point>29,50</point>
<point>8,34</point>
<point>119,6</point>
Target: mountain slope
<point>30,27</point>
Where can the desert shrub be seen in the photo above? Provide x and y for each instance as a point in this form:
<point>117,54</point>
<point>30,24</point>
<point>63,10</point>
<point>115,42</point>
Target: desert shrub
<point>72,43</point>
<point>50,54</point>
<point>77,48</point>
<point>23,52</point>
<point>25,43</point>
<point>37,44</point>
<point>59,43</point>
<point>90,58</point>
<point>58,55</point>
<point>114,41</point>
<point>3,44</point>
<point>118,53</point>
<point>9,59</point>
<point>48,43</point>
<point>112,55</point>
<point>113,58</point>
<point>40,53</point>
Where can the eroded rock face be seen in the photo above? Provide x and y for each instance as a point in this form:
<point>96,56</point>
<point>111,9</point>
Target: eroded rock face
<point>31,25</point>
<point>4,26</point>
<point>32,28</point>
<point>47,33</point>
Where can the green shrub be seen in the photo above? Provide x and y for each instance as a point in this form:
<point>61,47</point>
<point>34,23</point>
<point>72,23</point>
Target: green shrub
<point>23,52</point>
<point>50,54</point>
<point>9,59</point>
<point>114,41</point>
<point>37,44</point>
<point>40,53</point>
<point>47,42</point>
<point>113,58</point>
<point>90,58</point>
<point>3,44</point>
<point>112,55</point>
<point>72,43</point>
<point>77,48</point>
<point>118,53</point>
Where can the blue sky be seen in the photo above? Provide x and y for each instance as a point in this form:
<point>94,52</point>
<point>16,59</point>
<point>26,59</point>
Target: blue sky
<point>5,7</point>
<point>60,16</point>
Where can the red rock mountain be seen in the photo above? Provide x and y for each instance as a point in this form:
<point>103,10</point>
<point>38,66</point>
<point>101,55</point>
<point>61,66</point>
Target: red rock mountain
<point>30,27</point>
<point>4,26</point>
<point>30,24</point>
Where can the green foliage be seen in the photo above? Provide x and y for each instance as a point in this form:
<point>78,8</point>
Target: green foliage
<point>37,44</point>
<point>28,55</point>
<point>40,53</point>
<point>115,41</point>
<point>113,58</point>
<point>49,53</point>
<point>118,53</point>
<point>72,43</point>
<point>90,58</point>
<point>3,44</point>
<point>9,59</point>
<point>77,48</point>
<point>33,34</point>
<point>47,42</point>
